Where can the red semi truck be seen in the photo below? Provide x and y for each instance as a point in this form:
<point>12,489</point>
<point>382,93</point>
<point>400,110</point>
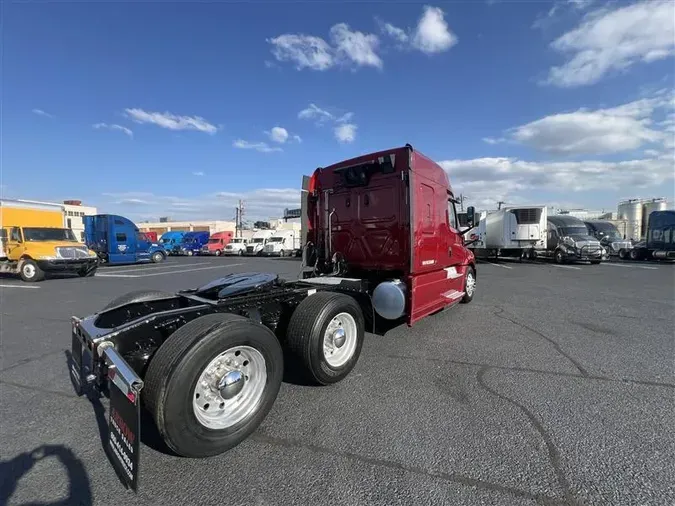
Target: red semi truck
<point>383,249</point>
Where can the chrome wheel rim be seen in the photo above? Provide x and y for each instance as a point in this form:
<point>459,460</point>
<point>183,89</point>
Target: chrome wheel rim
<point>29,270</point>
<point>230,388</point>
<point>340,339</point>
<point>470,283</point>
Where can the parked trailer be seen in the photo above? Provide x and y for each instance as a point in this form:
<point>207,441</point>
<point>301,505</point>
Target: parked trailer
<point>117,240</point>
<point>207,363</point>
<point>282,243</point>
<point>610,238</point>
<point>569,241</point>
<point>512,232</point>
<point>33,242</point>
<point>659,242</point>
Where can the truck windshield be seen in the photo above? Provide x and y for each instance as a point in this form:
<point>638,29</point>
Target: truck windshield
<point>166,240</point>
<point>568,231</point>
<point>258,240</point>
<point>48,234</point>
<point>238,240</point>
<point>214,241</point>
<point>607,230</point>
<point>275,239</point>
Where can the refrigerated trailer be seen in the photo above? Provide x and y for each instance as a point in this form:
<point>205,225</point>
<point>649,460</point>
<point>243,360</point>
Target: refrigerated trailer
<point>511,232</point>
<point>206,363</point>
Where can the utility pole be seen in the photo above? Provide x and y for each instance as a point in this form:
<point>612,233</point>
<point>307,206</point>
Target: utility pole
<point>239,215</point>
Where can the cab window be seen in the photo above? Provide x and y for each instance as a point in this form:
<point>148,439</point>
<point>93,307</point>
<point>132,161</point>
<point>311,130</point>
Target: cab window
<point>15,234</point>
<point>452,215</point>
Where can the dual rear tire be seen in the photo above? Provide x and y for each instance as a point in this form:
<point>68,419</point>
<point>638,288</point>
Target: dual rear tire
<point>215,379</point>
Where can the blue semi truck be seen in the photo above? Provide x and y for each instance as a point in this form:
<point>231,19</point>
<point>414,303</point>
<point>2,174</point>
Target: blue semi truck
<point>117,240</point>
<point>191,244</point>
<point>171,240</point>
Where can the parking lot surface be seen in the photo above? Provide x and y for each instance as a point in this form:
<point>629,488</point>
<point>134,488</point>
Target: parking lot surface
<point>554,386</point>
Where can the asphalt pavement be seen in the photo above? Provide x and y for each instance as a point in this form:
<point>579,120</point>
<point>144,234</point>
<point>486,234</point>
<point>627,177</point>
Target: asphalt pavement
<point>556,385</point>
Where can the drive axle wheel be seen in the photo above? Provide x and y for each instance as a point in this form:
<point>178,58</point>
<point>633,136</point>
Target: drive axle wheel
<point>326,334</point>
<point>212,382</point>
<point>30,271</point>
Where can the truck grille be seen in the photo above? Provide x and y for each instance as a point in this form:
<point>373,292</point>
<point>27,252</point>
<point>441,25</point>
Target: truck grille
<point>249,249</point>
<point>72,252</point>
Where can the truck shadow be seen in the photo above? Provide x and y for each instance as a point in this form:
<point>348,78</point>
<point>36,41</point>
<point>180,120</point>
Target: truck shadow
<point>13,470</point>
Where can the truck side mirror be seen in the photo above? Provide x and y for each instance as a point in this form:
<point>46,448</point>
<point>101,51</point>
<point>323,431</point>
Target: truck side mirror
<point>470,215</point>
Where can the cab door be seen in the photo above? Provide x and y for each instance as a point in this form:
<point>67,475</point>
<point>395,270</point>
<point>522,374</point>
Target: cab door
<point>14,246</point>
<point>142,247</point>
<point>122,243</point>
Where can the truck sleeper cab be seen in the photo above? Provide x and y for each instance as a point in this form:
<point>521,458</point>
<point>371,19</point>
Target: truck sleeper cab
<point>569,240</point>
<point>659,239</point>
<point>192,243</point>
<point>383,247</point>
<point>257,242</point>
<point>117,240</point>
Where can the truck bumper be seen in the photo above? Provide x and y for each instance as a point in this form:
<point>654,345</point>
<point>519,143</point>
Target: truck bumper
<point>103,368</point>
<point>67,264</point>
<point>584,254</point>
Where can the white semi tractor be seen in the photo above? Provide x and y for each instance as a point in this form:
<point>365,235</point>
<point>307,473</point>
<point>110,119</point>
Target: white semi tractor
<point>510,232</point>
<point>257,242</point>
<point>237,246</point>
<point>283,243</point>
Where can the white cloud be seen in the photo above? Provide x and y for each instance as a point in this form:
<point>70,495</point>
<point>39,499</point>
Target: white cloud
<point>357,47</point>
<point>278,134</point>
<point>119,128</point>
<point>612,40</point>
<point>432,34</point>
<point>198,173</point>
<point>493,140</point>
<point>305,51</point>
<point>171,121</point>
<point>489,180</point>
<point>345,132</point>
<point>297,138</point>
<point>394,32</point>
<point>40,112</point>
<point>314,112</point>
<point>262,147</point>
<point>347,48</point>
<point>583,132</point>
<point>262,204</point>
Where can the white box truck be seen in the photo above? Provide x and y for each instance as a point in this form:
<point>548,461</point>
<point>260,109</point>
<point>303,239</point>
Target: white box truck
<point>511,232</point>
<point>283,243</point>
<point>257,242</point>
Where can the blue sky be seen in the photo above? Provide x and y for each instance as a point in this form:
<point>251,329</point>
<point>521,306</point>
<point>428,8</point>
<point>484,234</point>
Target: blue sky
<point>179,109</point>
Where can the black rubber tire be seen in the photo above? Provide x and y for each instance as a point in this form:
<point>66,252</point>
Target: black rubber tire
<point>306,329</point>
<point>635,255</point>
<point>470,271</point>
<point>87,273</point>
<point>38,275</point>
<point>175,368</point>
<point>157,257</point>
<point>136,296</point>
<point>558,257</point>
<point>623,254</point>
<point>218,252</point>
<point>241,252</point>
<point>282,254</point>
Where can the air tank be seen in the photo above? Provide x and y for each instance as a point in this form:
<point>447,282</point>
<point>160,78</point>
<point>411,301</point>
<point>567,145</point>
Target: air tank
<point>651,205</point>
<point>631,211</point>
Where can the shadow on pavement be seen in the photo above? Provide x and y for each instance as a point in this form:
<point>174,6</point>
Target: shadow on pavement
<point>79,490</point>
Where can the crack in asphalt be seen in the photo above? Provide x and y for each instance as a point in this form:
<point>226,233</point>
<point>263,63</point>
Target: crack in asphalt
<point>38,389</point>
<point>592,377</point>
<point>552,450</point>
<point>450,477</point>
<point>28,360</point>
<point>500,314</point>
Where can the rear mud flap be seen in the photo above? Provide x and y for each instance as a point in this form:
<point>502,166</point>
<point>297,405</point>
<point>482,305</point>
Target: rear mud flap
<point>124,420</point>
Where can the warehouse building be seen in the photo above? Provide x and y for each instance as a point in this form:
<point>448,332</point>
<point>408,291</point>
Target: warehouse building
<point>164,225</point>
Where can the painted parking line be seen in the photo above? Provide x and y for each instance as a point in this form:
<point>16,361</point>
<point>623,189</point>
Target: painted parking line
<point>163,273</point>
<point>140,268</point>
<point>500,265</point>
<point>566,267</point>
<point>630,266</point>
<point>17,286</point>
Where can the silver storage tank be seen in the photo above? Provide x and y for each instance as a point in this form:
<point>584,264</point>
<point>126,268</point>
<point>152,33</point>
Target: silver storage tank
<point>651,205</point>
<point>631,211</point>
